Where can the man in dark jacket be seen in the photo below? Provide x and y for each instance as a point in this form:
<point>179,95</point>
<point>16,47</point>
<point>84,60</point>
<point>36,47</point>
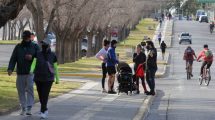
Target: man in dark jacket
<point>151,66</point>
<point>22,57</point>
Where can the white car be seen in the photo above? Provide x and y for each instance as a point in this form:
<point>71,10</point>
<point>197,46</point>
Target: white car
<point>185,37</point>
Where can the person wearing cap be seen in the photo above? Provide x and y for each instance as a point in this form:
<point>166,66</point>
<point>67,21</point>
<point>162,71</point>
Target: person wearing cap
<point>45,71</point>
<point>22,57</point>
<point>111,62</point>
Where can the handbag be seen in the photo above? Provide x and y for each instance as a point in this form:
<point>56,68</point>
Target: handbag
<point>140,71</point>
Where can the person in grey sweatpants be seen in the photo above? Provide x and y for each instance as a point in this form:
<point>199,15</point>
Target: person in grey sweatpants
<point>22,56</point>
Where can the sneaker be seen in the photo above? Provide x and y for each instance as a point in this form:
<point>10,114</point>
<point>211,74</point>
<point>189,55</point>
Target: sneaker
<point>138,92</point>
<point>147,93</point>
<point>152,93</point>
<point>46,112</point>
<point>191,75</point>
<point>22,111</point>
<point>43,115</point>
<point>28,112</point>
<point>111,92</point>
<point>104,91</point>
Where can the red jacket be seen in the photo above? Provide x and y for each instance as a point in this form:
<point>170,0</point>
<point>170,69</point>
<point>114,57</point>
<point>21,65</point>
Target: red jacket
<point>203,56</point>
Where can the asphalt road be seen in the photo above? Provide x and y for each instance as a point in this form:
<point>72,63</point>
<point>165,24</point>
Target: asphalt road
<point>5,53</point>
<point>178,98</point>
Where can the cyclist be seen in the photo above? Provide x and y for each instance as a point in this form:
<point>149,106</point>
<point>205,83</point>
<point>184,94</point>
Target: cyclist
<point>189,55</point>
<point>207,56</point>
<point>211,27</point>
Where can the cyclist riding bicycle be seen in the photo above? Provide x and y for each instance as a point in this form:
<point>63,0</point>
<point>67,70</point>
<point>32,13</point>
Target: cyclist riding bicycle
<point>207,57</point>
<point>189,55</point>
<point>212,26</point>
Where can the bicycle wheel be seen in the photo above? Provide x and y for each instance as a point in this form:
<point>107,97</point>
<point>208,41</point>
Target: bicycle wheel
<point>188,71</point>
<point>208,78</point>
<point>188,76</point>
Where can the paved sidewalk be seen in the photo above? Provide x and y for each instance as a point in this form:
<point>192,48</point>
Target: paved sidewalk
<point>88,103</point>
<point>166,30</point>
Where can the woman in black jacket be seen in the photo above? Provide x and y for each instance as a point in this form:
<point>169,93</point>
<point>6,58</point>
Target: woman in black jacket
<point>45,71</point>
<point>139,58</point>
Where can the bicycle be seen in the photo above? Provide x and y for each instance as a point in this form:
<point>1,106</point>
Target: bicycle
<point>206,76</point>
<point>188,68</point>
<point>211,30</point>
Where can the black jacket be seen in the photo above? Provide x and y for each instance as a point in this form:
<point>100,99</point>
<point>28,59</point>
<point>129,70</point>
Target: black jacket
<point>44,70</point>
<point>152,60</point>
<point>18,57</point>
<point>138,59</point>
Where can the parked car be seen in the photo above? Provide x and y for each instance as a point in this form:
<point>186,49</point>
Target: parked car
<point>203,18</point>
<point>185,37</point>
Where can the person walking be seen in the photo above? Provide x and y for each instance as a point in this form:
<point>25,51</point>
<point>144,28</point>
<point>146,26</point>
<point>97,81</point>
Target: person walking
<point>160,21</point>
<point>102,55</point>
<point>163,49</point>
<point>111,62</point>
<point>139,59</point>
<point>151,66</point>
<point>22,57</point>
<point>45,71</point>
<point>159,38</point>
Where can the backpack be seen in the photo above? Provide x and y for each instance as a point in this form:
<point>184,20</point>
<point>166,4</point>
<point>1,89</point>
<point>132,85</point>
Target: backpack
<point>189,54</point>
<point>208,53</point>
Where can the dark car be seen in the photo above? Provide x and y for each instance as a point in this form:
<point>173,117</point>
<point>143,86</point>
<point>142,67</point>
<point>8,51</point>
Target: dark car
<point>203,19</point>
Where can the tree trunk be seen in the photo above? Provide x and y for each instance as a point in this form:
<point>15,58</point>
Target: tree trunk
<point>37,13</point>
<point>9,30</point>
<point>89,44</point>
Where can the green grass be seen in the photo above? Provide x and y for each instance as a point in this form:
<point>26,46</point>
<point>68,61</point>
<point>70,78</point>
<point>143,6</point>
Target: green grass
<point>9,97</point>
<point>83,65</point>
<point>136,37</point>
<point>9,42</point>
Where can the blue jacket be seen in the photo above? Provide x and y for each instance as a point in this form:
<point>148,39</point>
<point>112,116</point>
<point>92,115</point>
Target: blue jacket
<point>111,57</point>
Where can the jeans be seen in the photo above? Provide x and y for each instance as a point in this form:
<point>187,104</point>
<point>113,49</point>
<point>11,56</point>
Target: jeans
<point>25,84</point>
<point>150,78</point>
<point>43,89</point>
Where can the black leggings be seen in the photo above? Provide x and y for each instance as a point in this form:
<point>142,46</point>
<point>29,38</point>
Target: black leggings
<point>104,74</point>
<point>43,89</point>
<point>203,65</point>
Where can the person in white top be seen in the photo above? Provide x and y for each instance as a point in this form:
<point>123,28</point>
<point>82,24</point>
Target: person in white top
<point>102,55</point>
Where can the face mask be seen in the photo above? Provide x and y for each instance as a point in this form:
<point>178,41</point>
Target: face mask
<point>45,48</point>
<point>26,42</point>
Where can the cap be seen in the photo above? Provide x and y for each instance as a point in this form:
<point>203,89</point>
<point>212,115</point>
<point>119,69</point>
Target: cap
<point>46,41</point>
<point>26,33</point>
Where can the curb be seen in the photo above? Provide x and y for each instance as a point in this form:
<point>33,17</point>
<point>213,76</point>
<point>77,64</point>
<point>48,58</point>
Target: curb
<point>144,108</point>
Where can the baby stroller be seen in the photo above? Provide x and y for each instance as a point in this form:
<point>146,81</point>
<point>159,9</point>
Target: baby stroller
<point>125,78</point>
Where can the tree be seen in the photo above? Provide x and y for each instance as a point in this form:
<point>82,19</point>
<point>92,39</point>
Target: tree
<point>9,9</point>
